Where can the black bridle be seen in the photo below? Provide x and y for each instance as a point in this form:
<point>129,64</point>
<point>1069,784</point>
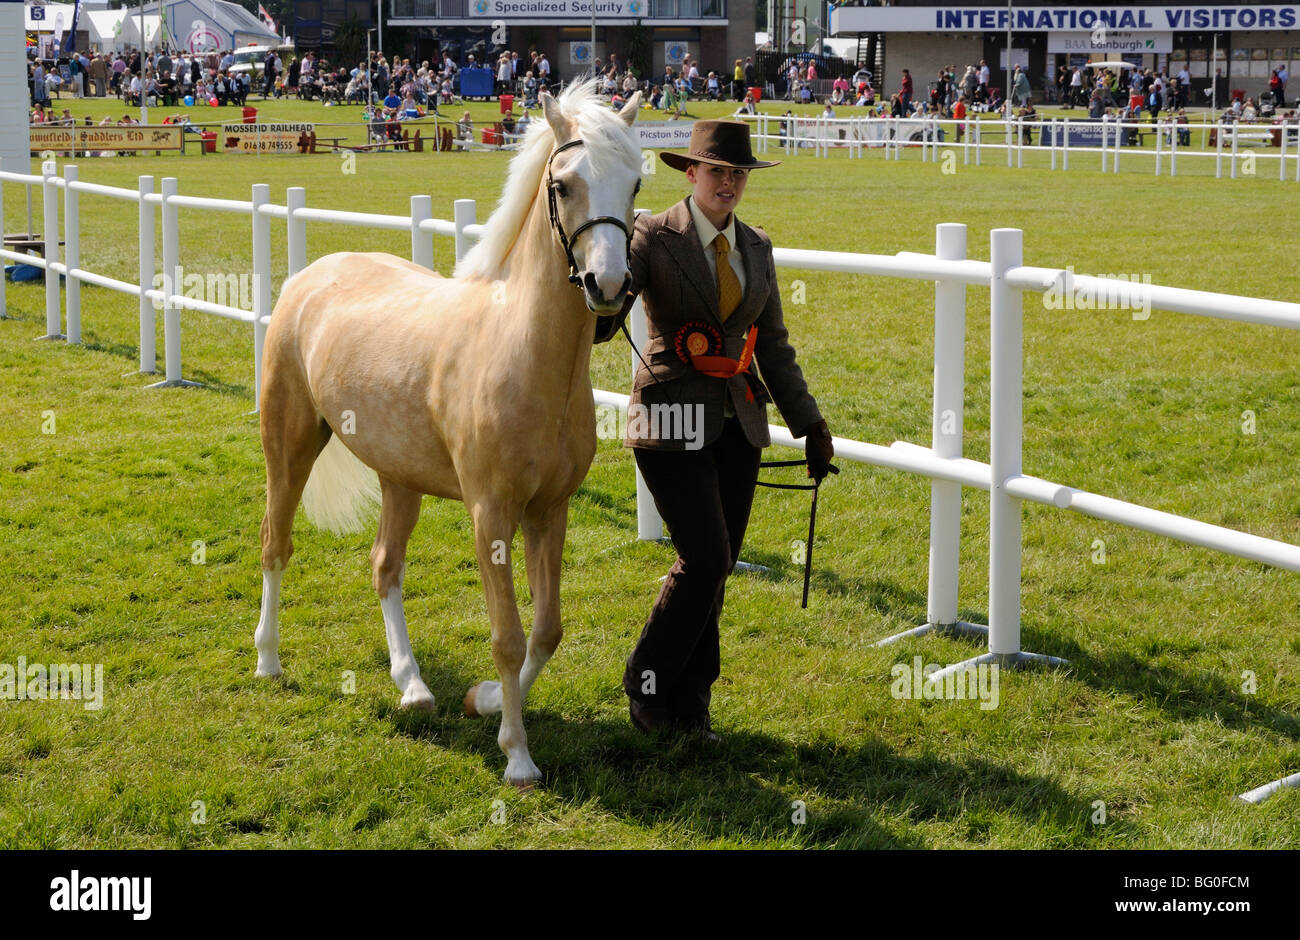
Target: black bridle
<point>567,241</point>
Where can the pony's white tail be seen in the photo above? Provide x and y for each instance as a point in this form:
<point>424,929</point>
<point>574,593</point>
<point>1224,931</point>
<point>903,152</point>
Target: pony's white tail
<point>342,493</point>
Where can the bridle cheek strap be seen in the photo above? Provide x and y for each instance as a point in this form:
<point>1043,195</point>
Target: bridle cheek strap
<point>567,241</point>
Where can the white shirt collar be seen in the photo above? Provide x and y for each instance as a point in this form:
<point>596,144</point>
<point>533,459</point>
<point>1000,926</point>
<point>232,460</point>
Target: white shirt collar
<point>706,230</point>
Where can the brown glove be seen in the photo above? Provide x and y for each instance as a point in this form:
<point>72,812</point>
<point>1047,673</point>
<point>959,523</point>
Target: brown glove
<point>818,449</point>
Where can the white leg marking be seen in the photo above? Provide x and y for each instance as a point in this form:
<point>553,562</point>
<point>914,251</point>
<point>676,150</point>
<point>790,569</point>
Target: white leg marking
<point>405,672</point>
<point>487,698</point>
<point>267,637</point>
<point>533,664</point>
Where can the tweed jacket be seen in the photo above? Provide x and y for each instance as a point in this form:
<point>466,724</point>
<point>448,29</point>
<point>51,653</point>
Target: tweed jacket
<point>670,273</point>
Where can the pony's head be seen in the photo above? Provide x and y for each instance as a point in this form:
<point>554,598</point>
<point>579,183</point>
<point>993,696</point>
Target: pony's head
<point>583,163</point>
<point>593,175</point>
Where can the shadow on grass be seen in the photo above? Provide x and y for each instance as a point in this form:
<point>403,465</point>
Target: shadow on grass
<point>743,788</point>
<point>131,353</point>
<point>884,597</point>
<point>1178,693</point>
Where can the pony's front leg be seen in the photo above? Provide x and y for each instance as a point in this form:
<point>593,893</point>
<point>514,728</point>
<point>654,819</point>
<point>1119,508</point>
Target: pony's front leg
<point>543,551</point>
<point>493,533</point>
<point>401,510</point>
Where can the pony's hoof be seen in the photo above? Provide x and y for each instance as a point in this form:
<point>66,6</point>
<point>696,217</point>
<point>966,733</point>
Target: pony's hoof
<point>522,775</point>
<point>483,699</point>
<point>268,668</point>
<point>417,700</point>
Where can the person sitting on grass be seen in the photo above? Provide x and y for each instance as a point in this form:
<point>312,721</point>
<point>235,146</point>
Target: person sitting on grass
<point>747,106</point>
<point>465,128</point>
<point>39,116</point>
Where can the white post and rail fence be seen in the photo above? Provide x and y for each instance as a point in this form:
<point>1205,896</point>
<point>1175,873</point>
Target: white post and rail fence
<point>1005,275</point>
<point>1057,137</point>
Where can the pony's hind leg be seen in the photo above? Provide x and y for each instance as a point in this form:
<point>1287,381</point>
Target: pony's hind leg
<point>293,435</point>
<point>543,551</point>
<point>401,510</point>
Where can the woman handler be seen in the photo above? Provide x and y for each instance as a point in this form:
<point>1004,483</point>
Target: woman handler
<point>697,417</point>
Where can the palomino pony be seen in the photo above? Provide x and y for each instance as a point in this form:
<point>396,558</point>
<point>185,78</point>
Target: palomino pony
<point>474,387</point>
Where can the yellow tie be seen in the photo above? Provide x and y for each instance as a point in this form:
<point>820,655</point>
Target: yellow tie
<point>728,284</point>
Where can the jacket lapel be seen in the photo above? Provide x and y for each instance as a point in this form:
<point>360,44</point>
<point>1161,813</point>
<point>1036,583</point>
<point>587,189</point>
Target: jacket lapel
<point>686,251</point>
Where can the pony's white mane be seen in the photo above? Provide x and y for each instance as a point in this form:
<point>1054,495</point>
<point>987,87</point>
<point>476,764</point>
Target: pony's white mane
<point>607,140</point>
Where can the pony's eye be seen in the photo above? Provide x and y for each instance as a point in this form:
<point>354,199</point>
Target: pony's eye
<point>559,189</point>
<point>637,188</point>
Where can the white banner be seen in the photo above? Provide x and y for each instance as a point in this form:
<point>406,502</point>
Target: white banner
<point>666,135</point>
<point>848,20</point>
<point>1111,40</point>
<point>1019,56</point>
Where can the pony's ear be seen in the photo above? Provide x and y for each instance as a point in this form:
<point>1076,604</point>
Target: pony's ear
<point>559,126</point>
<point>629,111</point>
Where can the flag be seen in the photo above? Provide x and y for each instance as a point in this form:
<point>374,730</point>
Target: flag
<point>266,18</point>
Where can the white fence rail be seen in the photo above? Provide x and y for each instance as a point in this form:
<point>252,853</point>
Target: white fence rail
<point>1005,274</point>
<point>797,135</point>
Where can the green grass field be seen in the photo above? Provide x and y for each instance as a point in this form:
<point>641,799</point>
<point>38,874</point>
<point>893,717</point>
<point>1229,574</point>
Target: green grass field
<point>99,521</point>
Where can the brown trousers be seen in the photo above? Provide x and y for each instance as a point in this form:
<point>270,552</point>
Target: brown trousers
<point>705,497</point>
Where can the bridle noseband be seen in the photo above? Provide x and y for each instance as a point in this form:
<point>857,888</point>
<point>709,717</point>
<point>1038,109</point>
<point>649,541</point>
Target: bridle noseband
<point>566,241</point>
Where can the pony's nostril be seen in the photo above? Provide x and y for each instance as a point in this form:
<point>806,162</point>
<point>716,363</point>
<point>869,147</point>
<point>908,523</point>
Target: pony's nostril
<point>593,288</point>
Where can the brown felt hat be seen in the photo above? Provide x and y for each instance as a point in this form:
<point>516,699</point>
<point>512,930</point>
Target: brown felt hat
<point>718,143</point>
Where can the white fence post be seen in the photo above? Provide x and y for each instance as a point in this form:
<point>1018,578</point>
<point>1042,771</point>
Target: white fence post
<point>1160,152</point>
<point>295,198</point>
<point>1281,160</point>
<point>421,242</point>
<point>50,206</point>
<point>72,252</point>
<point>975,126</point>
<point>1114,157</point>
<point>1218,151</point>
<point>171,251</point>
<point>1173,152</point>
<point>262,274</point>
<point>1232,160</point>
<point>1006,412</point>
<point>1065,150</point>
<point>947,427</point>
<point>148,262</point>
<point>463,214</point>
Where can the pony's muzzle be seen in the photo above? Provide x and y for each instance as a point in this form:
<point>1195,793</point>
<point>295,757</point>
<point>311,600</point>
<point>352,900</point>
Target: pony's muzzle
<point>596,299</point>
